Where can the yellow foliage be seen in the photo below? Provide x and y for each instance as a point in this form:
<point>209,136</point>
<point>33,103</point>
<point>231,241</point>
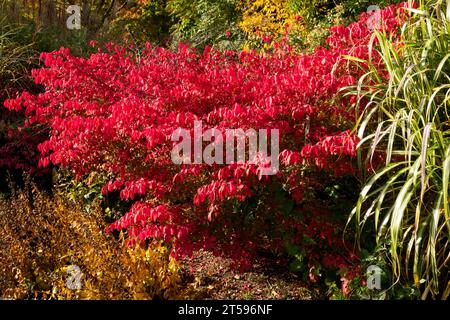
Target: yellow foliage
<point>272,18</point>
<point>134,12</point>
<point>41,239</point>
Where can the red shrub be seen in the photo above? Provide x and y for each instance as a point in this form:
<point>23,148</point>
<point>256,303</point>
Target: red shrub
<point>115,112</point>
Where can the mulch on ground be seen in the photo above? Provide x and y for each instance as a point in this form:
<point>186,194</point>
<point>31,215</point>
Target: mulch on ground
<point>206,276</point>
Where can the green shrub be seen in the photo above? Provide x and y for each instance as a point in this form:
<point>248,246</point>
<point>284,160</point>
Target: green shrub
<point>206,22</point>
<point>142,21</point>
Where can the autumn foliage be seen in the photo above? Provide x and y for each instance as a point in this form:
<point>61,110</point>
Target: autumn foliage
<point>114,113</point>
<point>42,237</point>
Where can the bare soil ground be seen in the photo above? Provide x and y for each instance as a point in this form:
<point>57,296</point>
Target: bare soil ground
<point>208,277</point>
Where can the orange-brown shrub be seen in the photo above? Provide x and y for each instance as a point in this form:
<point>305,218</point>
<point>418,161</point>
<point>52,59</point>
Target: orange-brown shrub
<point>42,236</point>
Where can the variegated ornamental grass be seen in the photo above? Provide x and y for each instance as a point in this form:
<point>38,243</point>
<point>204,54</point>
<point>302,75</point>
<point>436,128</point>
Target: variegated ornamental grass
<point>407,120</point>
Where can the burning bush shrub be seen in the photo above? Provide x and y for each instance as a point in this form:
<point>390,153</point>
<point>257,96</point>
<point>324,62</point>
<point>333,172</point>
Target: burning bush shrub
<point>115,113</point>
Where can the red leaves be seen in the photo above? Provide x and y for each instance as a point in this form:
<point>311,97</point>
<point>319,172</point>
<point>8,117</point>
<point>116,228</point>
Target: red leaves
<point>299,113</point>
<point>113,115</point>
<point>220,191</point>
<point>137,188</point>
<point>340,145</point>
<point>13,105</point>
<point>290,158</point>
<point>140,215</point>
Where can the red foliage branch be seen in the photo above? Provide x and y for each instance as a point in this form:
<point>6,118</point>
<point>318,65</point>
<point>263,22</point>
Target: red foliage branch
<point>114,113</point>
